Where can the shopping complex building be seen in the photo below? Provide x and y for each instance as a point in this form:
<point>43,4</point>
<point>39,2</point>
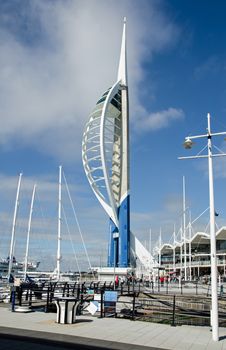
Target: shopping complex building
<point>191,258</point>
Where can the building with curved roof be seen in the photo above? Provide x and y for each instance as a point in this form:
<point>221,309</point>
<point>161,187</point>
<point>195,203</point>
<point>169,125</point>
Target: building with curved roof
<point>171,257</point>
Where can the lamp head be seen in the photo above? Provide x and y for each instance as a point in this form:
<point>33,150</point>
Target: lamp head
<point>188,143</point>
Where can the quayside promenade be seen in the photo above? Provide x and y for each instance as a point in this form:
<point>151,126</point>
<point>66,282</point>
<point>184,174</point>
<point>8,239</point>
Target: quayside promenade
<point>21,329</point>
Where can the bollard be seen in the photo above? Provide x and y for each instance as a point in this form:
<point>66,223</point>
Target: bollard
<point>78,292</point>
<point>13,297</point>
<point>102,303</point>
<point>20,292</point>
<point>30,297</point>
<point>82,295</point>
<point>133,311</point>
<point>47,300</point>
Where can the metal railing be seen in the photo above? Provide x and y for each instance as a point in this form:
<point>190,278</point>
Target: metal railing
<point>136,301</point>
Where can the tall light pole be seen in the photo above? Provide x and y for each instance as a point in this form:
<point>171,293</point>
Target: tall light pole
<point>188,145</point>
<point>59,224</point>
<point>184,231</point>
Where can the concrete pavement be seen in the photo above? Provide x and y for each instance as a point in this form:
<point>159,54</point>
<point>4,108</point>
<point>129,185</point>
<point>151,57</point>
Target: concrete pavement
<point>107,333</point>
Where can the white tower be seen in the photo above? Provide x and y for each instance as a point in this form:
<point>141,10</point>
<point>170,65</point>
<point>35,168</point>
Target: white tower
<point>105,154</point>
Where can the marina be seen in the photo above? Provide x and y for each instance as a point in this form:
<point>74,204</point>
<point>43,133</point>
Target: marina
<point>120,256</point>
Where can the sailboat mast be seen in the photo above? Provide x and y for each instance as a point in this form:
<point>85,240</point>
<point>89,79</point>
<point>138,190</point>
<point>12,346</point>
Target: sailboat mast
<point>174,249</point>
<point>29,230</point>
<point>160,247</point>
<point>59,224</point>
<point>14,226</point>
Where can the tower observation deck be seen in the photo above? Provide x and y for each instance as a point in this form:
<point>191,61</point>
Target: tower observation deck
<point>105,155</point>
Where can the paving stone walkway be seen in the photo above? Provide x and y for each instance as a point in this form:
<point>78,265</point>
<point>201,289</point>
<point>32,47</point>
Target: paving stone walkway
<point>108,333</point>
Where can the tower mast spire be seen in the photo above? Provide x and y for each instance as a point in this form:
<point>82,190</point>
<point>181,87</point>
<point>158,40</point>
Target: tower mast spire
<point>122,69</point>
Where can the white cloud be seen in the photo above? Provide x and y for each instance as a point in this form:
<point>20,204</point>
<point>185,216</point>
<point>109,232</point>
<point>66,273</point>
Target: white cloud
<point>161,119</point>
<point>212,66</point>
<point>56,58</point>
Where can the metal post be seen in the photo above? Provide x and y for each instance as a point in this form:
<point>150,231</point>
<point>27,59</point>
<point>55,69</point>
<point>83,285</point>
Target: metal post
<point>134,302</point>
<point>47,300</point>
<point>214,299</point>
<point>115,237</point>
<point>190,277</point>
<point>20,292</point>
<point>101,303</point>
<point>151,261</point>
<point>181,258</point>
<point>160,247</point>
<point>114,260</point>
<point>174,249</point>
<point>13,297</point>
<point>59,224</point>
<point>184,231</point>
<point>174,306</point>
<point>30,296</point>
<point>158,282</point>
<point>188,145</point>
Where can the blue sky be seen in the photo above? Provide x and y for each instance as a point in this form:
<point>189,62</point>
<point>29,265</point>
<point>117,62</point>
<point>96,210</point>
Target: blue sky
<point>56,59</point>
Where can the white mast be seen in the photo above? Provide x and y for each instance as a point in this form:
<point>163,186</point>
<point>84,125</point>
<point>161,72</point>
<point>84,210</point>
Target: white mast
<point>28,231</point>
<point>150,250</point>
<point>14,226</point>
<point>122,77</point>
<point>122,69</point>
<point>213,250</point>
<point>184,231</point>
<point>59,224</point>
<point>181,248</point>
<point>214,295</point>
<point>174,249</point>
<point>150,243</point>
<point>160,246</point>
<point>190,246</point>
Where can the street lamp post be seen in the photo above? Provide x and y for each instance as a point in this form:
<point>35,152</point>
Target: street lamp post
<point>214,298</point>
<point>184,232</point>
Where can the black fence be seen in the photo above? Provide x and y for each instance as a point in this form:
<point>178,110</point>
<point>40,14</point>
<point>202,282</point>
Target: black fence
<point>135,301</point>
<point>173,310</point>
<point>44,295</point>
<point>185,287</point>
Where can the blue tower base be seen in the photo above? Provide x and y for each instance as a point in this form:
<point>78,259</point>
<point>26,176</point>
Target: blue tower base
<point>119,240</point>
